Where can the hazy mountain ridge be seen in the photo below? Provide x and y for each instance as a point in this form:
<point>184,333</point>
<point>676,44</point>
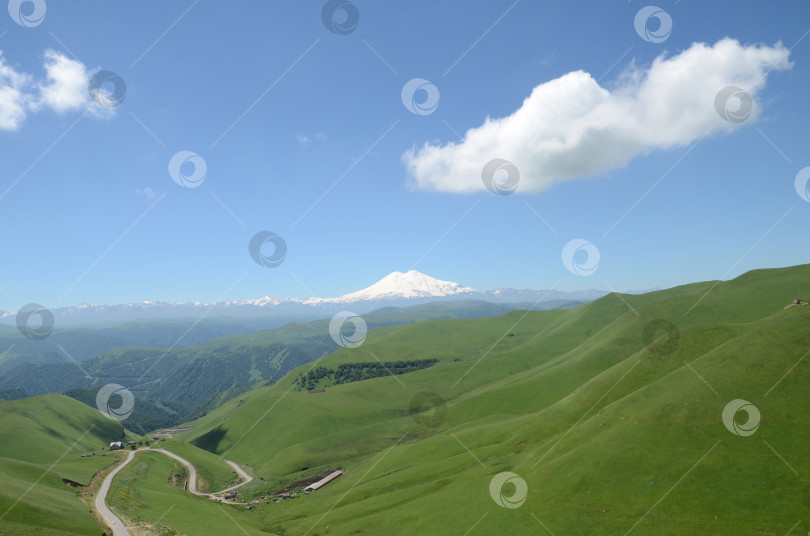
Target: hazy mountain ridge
<point>397,289</point>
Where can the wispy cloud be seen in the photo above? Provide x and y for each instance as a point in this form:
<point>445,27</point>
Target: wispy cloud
<point>572,127</point>
<point>307,140</point>
<point>147,192</point>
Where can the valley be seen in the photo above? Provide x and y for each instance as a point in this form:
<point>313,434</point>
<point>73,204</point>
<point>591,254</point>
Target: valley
<point>608,416</point>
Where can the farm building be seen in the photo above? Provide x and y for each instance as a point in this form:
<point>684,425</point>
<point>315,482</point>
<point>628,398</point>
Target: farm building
<point>115,445</point>
<point>324,481</point>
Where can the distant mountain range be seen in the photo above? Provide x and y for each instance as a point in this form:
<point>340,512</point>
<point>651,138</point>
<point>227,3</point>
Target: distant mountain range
<point>397,289</point>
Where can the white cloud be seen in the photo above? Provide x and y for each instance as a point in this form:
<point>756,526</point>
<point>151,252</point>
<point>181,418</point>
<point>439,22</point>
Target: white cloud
<point>13,97</point>
<point>572,127</point>
<point>64,88</point>
<point>306,140</point>
<point>146,192</point>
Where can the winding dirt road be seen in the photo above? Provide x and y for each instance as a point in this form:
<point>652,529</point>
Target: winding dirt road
<point>118,528</point>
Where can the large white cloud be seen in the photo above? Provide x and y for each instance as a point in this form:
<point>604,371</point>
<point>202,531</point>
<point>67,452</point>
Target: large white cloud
<point>64,88</point>
<point>572,127</point>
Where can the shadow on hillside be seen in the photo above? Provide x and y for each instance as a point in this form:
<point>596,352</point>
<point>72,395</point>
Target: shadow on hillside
<point>210,440</point>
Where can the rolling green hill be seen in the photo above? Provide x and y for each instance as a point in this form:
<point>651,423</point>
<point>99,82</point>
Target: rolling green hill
<point>176,384</point>
<point>43,439</point>
<point>604,419</point>
<point>614,426</point>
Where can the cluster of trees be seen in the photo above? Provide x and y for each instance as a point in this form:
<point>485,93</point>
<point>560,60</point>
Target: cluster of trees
<point>355,372</point>
<point>12,394</point>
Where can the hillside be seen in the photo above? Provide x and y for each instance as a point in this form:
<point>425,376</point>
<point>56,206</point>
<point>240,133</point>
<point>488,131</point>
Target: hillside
<point>609,418</point>
<point>175,384</point>
<point>612,428</point>
<point>81,343</point>
<point>43,438</point>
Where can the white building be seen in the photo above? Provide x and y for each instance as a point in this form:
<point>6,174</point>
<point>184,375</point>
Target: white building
<point>324,481</point>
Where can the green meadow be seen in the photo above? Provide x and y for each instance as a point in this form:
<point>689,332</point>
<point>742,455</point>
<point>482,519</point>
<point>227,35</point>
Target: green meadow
<point>610,416</point>
<point>43,440</point>
<point>614,426</point>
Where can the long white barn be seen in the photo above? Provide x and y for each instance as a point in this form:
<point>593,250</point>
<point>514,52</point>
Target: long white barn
<point>324,481</point>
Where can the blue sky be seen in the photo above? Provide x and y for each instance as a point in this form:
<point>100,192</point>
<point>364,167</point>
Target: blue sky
<point>304,133</point>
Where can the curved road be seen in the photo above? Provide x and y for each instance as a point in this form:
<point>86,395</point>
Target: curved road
<point>114,522</point>
<point>101,500</point>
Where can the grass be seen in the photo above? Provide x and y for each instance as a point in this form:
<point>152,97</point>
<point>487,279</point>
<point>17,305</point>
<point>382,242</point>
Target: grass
<point>142,493</point>
<point>615,427</point>
<point>213,474</point>
<point>611,436</point>
<point>43,439</point>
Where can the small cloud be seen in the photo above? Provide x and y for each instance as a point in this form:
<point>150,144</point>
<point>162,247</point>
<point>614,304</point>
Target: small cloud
<point>306,141</point>
<point>147,192</point>
<point>546,60</point>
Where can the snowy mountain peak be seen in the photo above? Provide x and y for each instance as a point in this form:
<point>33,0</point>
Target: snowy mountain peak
<point>412,284</point>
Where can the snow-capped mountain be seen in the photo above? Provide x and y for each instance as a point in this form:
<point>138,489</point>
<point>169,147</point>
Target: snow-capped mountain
<point>397,285</point>
<point>397,289</point>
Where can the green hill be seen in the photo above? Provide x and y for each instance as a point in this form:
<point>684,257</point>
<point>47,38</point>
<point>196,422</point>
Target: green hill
<point>177,384</point>
<point>615,427</point>
<point>41,467</point>
<point>610,417</point>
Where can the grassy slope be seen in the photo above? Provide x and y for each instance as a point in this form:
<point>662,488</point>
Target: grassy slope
<point>605,432</point>
<point>141,492</point>
<point>43,438</point>
<point>642,420</point>
<point>213,474</point>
